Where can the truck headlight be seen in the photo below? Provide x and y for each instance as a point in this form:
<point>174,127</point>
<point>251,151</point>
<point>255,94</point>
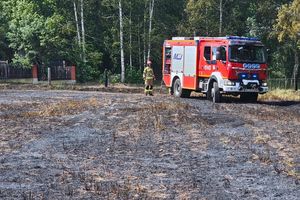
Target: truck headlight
<point>229,83</point>
<point>264,84</point>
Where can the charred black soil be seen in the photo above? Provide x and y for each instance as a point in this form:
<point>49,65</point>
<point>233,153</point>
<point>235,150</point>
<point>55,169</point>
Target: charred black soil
<point>95,145</point>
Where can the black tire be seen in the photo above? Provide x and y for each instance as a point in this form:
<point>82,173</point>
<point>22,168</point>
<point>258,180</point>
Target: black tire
<point>170,90</point>
<point>178,91</point>
<point>215,93</point>
<point>208,94</point>
<point>249,97</point>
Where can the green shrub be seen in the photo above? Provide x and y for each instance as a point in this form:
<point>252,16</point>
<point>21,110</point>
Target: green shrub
<point>114,78</point>
<point>133,75</point>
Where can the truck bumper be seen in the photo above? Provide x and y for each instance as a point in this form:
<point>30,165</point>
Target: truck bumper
<point>238,88</point>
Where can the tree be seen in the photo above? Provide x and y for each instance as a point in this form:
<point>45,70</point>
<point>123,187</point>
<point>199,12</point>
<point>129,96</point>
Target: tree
<point>121,43</point>
<point>260,21</point>
<point>288,30</point>
<point>221,18</point>
<point>25,26</point>
<point>77,24</point>
<point>83,31</point>
<point>151,8</point>
<point>130,36</point>
<point>36,31</point>
<point>201,18</point>
<point>5,52</point>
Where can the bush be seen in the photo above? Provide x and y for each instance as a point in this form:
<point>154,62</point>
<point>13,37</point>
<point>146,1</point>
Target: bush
<point>133,76</point>
<point>102,78</point>
<point>86,72</point>
<point>114,78</point>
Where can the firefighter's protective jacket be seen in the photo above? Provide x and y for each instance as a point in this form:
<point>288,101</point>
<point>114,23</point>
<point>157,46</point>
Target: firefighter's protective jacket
<point>148,73</point>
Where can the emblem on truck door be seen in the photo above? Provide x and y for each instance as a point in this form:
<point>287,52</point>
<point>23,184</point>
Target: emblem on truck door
<point>178,56</point>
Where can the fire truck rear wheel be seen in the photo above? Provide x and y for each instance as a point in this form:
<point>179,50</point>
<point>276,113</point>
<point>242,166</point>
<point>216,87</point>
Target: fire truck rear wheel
<point>215,93</point>
<point>177,89</point>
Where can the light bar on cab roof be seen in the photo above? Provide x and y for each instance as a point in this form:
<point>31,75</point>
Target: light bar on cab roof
<point>217,38</point>
<point>241,38</point>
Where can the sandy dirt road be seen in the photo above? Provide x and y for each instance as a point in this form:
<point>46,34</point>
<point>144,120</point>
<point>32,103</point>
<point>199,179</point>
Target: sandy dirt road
<point>94,145</point>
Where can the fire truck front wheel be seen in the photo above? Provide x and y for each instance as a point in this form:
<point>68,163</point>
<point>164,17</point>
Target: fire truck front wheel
<point>215,93</point>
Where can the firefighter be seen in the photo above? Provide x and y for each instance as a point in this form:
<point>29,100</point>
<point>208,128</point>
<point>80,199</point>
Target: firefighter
<point>148,76</point>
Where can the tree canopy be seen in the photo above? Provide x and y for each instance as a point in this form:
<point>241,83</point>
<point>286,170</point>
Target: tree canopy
<point>87,32</point>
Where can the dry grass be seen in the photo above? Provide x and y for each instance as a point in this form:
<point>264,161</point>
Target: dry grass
<point>281,95</point>
<point>163,114</point>
<point>64,108</point>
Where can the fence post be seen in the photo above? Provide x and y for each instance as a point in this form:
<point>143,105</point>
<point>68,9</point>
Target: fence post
<point>73,75</point>
<point>35,74</point>
<point>6,71</point>
<point>106,78</point>
<point>49,76</point>
<point>285,83</point>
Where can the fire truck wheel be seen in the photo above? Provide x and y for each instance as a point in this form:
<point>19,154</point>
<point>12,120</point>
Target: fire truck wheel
<point>177,90</point>
<point>171,91</point>
<point>215,93</point>
<point>249,97</point>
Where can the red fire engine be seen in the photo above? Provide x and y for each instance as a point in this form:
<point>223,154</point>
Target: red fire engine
<point>214,66</point>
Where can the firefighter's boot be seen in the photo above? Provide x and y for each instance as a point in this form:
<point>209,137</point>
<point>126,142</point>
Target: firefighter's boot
<point>151,90</point>
<point>147,90</point>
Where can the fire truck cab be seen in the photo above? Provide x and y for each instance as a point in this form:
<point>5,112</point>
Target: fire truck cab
<point>214,66</point>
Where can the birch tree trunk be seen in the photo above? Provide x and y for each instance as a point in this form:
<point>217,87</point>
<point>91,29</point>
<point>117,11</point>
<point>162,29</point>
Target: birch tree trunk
<point>139,46</point>
<point>77,24</point>
<point>151,8</point>
<point>144,29</point>
<point>206,21</point>
<point>121,43</point>
<point>82,31</point>
<point>221,18</point>
<point>296,68</point>
<point>130,37</point>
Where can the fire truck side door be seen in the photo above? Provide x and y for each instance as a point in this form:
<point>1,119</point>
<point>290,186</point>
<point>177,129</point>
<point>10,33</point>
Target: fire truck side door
<point>190,67</point>
<point>177,62</point>
<point>221,60</point>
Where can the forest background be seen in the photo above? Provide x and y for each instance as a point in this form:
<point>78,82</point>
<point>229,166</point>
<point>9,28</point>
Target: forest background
<point>120,35</point>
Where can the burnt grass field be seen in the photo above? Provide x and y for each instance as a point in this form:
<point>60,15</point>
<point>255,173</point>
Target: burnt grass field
<point>95,145</point>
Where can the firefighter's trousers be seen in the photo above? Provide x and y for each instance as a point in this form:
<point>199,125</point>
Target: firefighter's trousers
<point>149,86</point>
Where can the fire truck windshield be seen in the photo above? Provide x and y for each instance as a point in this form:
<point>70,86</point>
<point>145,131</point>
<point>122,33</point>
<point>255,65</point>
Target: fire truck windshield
<point>247,54</point>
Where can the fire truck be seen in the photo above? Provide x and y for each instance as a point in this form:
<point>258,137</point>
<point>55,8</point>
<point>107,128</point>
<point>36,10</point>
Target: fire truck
<point>215,66</point>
